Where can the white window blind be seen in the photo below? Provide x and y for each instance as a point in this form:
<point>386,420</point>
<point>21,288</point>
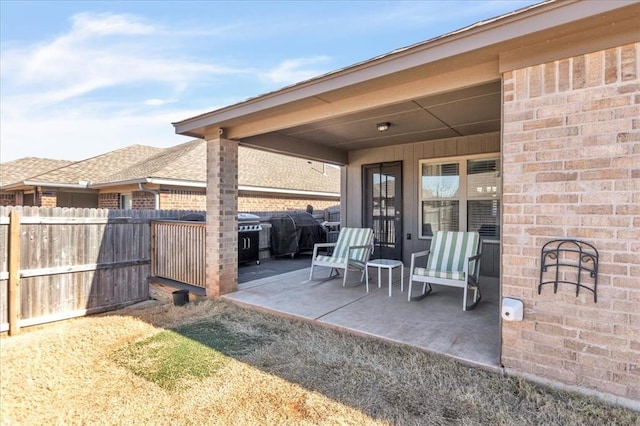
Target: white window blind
<point>483,204</point>
<point>460,194</point>
<point>440,194</point>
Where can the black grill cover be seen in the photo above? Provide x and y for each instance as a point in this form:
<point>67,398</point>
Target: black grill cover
<point>283,236</point>
<point>308,231</point>
<point>295,232</point>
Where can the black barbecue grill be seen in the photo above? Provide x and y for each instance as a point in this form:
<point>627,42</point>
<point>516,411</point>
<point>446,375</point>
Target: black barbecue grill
<point>248,238</point>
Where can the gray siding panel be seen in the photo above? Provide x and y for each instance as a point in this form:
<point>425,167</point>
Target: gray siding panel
<point>410,154</point>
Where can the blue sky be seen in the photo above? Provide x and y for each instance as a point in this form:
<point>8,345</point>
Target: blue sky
<point>81,78</point>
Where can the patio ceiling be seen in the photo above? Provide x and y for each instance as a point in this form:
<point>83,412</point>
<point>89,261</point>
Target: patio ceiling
<point>463,112</point>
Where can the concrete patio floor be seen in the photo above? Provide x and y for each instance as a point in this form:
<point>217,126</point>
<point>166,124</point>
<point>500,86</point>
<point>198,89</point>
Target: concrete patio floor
<point>436,324</point>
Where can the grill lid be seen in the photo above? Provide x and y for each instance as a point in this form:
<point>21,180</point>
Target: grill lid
<point>248,222</point>
<point>247,218</point>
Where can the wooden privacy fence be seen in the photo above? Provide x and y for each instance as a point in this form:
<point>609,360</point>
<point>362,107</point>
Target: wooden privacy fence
<point>58,263</point>
<point>178,252</point>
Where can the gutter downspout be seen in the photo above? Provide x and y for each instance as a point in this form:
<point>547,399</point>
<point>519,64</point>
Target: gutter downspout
<point>156,195</point>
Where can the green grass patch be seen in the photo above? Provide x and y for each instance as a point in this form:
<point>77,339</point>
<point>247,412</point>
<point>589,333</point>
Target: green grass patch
<point>173,358</point>
<point>228,341</point>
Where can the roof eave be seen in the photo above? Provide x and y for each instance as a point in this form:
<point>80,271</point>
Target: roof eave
<point>287,191</point>
<point>481,35</point>
<point>32,183</point>
<point>118,183</point>
<point>157,181</point>
<point>177,182</point>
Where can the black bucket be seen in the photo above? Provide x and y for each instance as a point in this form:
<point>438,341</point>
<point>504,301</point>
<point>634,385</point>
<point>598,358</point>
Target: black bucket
<point>180,297</point>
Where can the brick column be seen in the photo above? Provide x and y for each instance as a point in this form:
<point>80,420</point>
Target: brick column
<point>222,208</point>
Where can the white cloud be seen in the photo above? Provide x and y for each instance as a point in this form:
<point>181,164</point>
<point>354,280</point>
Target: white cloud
<point>295,70</point>
<point>74,135</point>
<point>100,52</point>
<point>88,24</point>
<point>157,102</point>
<point>91,89</point>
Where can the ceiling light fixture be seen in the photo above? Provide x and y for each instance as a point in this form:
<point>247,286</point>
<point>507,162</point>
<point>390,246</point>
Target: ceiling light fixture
<point>383,127</point>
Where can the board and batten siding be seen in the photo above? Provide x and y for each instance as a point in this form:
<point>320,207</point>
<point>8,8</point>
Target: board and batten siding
<point>410,155</point>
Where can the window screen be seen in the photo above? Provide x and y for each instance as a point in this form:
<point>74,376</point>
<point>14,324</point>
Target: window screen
<point>483,204</point>
<point>440,193</point>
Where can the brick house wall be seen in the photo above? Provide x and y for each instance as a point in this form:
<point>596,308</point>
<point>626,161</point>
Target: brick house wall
<point>197,199</point>
<point>255,203</point>
<point>109,201</point>
<point>183,200</point>
<point>571,152</point>
<point>7,199</point>
<point>47,199</point>
<point>142,200</point>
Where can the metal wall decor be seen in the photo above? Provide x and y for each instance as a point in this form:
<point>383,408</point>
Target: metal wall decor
<point>571,262</point>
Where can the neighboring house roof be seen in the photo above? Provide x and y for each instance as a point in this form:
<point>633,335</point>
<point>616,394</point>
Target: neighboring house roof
<point>186,165</point>
<point>265,169</point>
<point>19,170</point>
<point>82,173</point>
<point>184,162</point>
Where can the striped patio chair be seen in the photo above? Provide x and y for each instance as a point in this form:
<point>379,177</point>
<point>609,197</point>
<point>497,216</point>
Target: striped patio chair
<point>452,260</point>
<point>351,250</point>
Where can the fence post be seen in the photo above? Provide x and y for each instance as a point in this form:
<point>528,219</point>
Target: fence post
<point>14,273</point>
<point>154,227</point>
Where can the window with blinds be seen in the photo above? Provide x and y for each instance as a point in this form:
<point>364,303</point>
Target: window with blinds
<point>440,197</point>
<point>460,194</point>
<point>483,204</point>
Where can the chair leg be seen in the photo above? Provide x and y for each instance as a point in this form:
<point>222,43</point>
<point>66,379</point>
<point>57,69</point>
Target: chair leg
<point>464,298</point>
<point>344,280</point>
<point>366,271</point>
<point>311,273</point>
<point>477,297</point>
<point>424,294</point>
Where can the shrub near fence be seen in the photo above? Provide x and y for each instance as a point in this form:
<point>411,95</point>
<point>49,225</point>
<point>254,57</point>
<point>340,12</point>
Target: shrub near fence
<point>74,262</point>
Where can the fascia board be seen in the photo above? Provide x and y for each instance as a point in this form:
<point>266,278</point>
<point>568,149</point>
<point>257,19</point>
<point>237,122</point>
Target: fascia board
<point>286,191</point>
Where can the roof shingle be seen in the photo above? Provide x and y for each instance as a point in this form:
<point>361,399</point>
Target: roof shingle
<point>23,168</point>
<point>186,162</point>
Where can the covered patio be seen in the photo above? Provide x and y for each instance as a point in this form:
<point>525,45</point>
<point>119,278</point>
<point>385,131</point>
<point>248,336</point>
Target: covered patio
<point>523,128</point>
<point>436,323</point>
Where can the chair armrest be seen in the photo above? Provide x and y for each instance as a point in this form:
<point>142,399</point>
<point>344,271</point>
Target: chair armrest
<point>420,254</point>
<point>316,246</point>
<point>476,257</point>
<point>359,247</point>
<point>356,248</point>
<point>367,254</point>
<point>324,244</point>
<point>473,274</point>
<point>416,255</point>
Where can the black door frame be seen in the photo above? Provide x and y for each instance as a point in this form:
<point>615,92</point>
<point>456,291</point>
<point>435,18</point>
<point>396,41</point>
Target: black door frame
<point>390,224</point>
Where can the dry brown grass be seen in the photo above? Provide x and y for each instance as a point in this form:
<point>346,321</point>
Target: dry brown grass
<point>65,373</point>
